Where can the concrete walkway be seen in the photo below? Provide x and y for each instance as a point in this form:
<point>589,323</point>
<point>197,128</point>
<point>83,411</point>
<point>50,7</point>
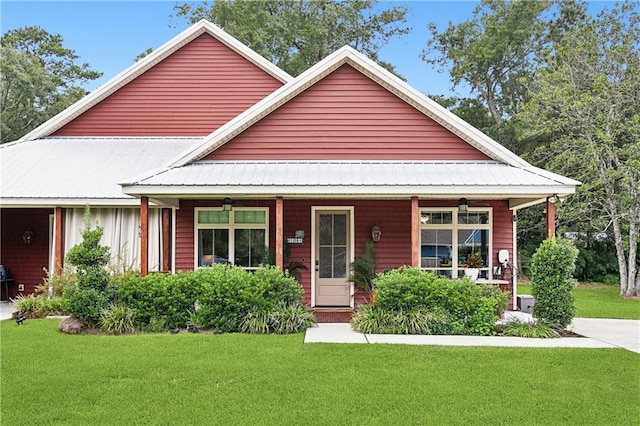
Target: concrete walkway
<point>599,333</point>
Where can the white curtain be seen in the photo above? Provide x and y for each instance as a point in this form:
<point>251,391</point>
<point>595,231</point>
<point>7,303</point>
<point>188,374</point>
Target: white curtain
<point>121,234</point>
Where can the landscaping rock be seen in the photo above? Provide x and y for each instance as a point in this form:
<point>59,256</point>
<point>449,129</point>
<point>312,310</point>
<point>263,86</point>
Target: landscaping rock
<point>71,325</point>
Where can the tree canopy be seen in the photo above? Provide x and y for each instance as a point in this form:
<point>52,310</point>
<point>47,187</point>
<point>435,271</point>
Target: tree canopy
<point>295,35</point>
<point>584,112</point>
<point>39,78</point>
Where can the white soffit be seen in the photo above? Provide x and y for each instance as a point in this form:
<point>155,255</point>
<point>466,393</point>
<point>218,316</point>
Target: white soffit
<point>149,62</point>
<point>348,55</point>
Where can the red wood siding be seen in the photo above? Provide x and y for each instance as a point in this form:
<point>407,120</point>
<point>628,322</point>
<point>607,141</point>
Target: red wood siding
<point>26,262</point>
<point>347,116</point>
<point>191,93</point>
<point>392,216</point>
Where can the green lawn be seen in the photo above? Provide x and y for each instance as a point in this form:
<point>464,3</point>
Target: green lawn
<point>51,378</point>
<point>597,301</point>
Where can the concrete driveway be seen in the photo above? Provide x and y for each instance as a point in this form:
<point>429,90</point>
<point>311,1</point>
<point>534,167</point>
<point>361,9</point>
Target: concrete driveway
<point>621,333</point>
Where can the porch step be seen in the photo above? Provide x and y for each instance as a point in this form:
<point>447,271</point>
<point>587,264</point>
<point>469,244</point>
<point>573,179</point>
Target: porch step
<point>324,315</point>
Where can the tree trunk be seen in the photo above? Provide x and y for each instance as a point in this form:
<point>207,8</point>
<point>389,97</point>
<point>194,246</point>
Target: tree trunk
<point>620,253</point>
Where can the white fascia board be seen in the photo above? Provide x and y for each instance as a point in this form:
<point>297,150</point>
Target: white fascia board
<point>332,190</point>
<point>68,202</point>
<point>149,62</point>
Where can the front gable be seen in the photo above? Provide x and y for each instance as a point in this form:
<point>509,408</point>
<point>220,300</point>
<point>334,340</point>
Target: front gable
<point>346,115</point>
<point>190,93</point>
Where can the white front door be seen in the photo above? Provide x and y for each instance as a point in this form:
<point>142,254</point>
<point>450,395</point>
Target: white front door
<point>332,254</point>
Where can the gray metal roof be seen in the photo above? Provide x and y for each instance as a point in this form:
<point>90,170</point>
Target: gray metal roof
<point>481,178</point>
<point>79,170</point>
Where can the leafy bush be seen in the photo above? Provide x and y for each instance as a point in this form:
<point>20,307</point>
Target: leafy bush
<point>473,309</point>
<point>224,295</point>
<point>234,292</point>
<point>159,297</point>
<point>372,319</point>
<point>40,305</point>
<point>117,319</point>
<point>538,329</point>
<point>86,304</point>
<point>552,270</point>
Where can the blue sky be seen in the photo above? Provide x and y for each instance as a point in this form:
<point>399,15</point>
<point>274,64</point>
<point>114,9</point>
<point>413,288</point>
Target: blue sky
<point>110,34</point>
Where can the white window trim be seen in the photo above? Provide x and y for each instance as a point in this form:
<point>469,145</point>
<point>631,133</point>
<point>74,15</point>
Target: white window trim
<point>231,226</point>
<point>455,227</point>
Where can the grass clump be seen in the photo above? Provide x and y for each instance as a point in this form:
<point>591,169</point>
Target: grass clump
<point>539,330</point>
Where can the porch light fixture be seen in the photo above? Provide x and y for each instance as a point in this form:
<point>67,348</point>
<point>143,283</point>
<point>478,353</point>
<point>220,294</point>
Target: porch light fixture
<point>27,236</point>
<point>227,204</point>
<point>376,233</point>
<point>463,205</point>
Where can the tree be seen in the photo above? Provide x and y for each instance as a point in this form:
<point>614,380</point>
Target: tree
<point>499,49</point>
<point>585,106</point>
<point>39,78</point>
<point>297,34</point>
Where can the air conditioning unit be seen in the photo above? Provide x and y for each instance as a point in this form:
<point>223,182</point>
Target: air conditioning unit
<point>525,303</point>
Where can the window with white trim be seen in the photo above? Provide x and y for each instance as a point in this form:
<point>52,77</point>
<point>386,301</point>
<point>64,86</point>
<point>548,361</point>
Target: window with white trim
<point>448,237</point>
<point>239,236</point>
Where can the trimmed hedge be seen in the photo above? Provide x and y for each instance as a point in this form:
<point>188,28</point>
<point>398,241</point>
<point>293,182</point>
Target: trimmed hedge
<point>552,280</point>
<point>413,293</point>
<point>219,297</point>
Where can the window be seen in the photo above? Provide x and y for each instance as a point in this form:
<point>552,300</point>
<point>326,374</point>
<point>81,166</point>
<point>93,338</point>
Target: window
<point>239,236</point>
<point>448,237</point>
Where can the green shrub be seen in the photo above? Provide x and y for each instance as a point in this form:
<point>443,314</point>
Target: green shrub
<point>538,329</point>
<point>473,309</point>
<point>159,296</point>
<point>552,280</point>
<point>29,304</point>
<point>234,292</point>
<point>372,319</point>
<point>117,319</point>
<point>86,304</point>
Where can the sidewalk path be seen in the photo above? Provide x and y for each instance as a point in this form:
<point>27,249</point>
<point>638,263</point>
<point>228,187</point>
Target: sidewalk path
<point>598,333</point>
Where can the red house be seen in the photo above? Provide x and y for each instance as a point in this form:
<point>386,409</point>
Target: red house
<point>205,152</point>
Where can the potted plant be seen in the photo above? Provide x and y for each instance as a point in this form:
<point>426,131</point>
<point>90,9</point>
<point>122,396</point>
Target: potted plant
<point>474,262</point>
<point>363,270</point>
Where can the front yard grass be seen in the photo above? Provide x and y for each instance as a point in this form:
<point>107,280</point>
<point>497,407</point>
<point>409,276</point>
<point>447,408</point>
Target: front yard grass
<point>599,301</point>
<point>52,378</point>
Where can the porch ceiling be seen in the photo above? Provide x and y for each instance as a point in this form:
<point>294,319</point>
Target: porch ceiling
<point>427,179</point>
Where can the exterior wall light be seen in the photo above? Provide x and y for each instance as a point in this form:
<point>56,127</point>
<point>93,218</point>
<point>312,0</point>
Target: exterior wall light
<point>227,204</point>
<point>28,236</point>
<point>463,205</point>
<point>376,233</point>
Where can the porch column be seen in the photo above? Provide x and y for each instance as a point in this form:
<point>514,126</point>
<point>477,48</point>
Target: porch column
<point>166,240</point>
<point>551,217</point>
<point>279,234</point>
<point>144,236</point>
<point>58,242</point>
<point>415,229</point>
